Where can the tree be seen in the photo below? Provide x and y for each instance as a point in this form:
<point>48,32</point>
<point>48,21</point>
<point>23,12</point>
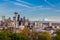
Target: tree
<point>57,37</point>
<point>44,36</point>
<point>4,35</point>
<point>17,36</point>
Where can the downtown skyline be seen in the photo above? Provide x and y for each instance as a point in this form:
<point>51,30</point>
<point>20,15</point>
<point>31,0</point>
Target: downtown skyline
<point>47,10</point>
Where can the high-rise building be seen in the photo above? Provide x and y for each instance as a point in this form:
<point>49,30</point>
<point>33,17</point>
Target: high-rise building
<point>13,18</point>
<point>4,25</point>
<point>3,18</point>
<point>23,20</point>
<point>26,22</point>
<point>18,18</point>
<point>9,22</point>
<point>49,24</point>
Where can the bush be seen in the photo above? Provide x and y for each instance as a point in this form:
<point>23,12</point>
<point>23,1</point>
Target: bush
<point>17,36</point>
<point>6,35</point>
<point>58,35</point>
<point>44,36</point>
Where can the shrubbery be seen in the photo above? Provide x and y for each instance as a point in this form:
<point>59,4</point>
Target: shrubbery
<point>44,36</point>
<point>58,35</point>
<point>5,35</point>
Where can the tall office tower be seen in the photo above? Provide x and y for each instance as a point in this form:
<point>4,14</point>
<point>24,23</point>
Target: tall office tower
<point>3,18</point>
<point>20,21</point>
<point>9,22</point>
<point>18,18</point>
<point>41,24</point>
<point>49,24</point>
<point>3,22</point>
<point>14,18</point>
<point>36,24</point>
<point>24,20</point>
<point>14,21</point>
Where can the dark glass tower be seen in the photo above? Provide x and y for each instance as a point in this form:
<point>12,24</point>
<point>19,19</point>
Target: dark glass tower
<point>18,18</point>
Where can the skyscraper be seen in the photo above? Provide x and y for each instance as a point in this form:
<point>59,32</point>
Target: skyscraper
<point>3,18</point>
<point>18,19</point>
<point>24,20</point>
<point>49,24</point>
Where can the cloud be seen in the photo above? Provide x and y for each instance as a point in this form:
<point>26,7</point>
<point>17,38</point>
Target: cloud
<point>49,3</point>
<point>42,12</point>
<point>50,18</point>
<point>16,3</point>
<point>24,2</point>
<point>53,19</point>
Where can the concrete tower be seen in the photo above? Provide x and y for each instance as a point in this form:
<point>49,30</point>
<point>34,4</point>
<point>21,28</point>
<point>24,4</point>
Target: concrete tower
<point>16,15</point>
<point>49,24</point>
<point>3,18</point>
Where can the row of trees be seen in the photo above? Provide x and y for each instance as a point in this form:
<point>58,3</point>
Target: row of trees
<point>27,35</point>
<point>7,35</point>
<point>58,35</point>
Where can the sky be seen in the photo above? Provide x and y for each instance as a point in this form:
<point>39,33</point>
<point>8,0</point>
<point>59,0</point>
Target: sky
<point>35,10</point>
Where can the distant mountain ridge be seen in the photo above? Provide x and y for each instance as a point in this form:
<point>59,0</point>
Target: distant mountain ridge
<point>47,22</point>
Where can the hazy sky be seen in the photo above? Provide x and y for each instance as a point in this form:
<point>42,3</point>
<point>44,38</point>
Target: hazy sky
<point>48,10</point>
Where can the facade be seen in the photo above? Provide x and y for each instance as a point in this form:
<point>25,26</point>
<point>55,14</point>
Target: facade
<point>49,24</point>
